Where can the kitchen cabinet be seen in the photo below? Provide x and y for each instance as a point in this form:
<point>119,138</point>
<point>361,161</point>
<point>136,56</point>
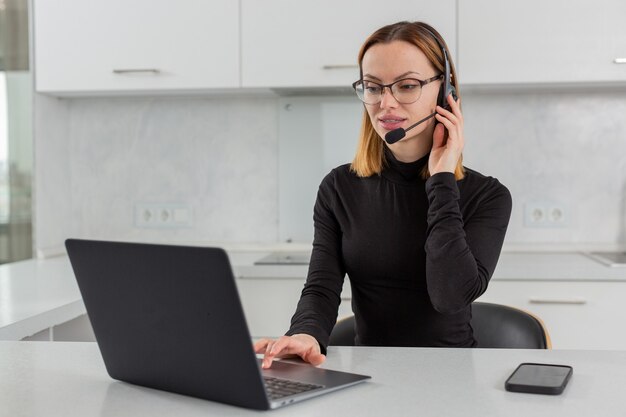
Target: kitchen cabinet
<point>269,303</point>
<point>115,46</point>
<point>315,44</point>
<point>578,315</point>
<point>538,42</point>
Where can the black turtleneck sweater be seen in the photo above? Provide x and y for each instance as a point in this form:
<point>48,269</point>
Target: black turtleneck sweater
<point>417,253</point>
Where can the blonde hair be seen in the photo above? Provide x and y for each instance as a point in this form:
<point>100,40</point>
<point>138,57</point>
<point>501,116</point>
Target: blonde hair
<point>370,156</point>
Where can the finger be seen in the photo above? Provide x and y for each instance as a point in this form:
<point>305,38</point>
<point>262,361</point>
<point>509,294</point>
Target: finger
<point>277,348</point>
<point>448,114</point>
<point>454,136</point>
<point>314,357</point>
<point>438,136</point>
<point>447,123</point>
<point>269,356</point>
<point>260,345</point>
<point>455,105</point>
<point>282,346</point>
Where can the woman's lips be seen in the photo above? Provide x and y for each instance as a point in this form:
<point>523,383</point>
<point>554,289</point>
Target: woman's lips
<point>391,123</point>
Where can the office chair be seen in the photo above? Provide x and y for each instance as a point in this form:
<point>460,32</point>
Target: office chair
<point>495,326</point>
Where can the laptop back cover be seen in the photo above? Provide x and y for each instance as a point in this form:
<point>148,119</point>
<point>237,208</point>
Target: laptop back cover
<point>169,317</point>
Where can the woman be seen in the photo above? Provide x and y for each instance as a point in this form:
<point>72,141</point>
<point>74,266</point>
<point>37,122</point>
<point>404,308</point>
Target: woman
<point>418,234</point>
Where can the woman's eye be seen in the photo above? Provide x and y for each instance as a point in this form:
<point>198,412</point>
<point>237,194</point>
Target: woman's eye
<point>374,89</point>
<point>408,86</point>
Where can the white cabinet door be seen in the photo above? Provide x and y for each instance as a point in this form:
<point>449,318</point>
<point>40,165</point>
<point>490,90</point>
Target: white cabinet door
<point>578,315</point>
<point>539,41</point>
<point>84,46</point>
<point>315,43</point>
<point>269,303</point>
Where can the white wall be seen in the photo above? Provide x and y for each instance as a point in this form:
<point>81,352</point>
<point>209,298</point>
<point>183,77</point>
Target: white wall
<point>97,157</point>
<point>568,148</point>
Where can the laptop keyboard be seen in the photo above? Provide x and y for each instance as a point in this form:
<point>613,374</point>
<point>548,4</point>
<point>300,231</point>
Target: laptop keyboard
<point>278,388</point>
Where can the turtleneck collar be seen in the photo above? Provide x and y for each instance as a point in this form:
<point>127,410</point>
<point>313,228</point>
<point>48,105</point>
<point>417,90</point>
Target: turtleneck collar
<point>403,172</point>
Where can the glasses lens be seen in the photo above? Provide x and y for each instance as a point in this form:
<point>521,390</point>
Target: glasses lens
<point>407,91</point>
<point>368,92</point>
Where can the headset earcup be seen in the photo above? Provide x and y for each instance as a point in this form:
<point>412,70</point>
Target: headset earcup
<point>453,91</point>
<point>441,99</point>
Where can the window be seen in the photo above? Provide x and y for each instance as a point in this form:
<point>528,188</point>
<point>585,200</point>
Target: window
<point>15,133</point>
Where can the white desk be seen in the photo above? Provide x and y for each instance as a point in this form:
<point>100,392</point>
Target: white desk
<point>69,379</point>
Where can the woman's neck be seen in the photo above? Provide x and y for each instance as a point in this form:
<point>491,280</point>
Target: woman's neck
<point>414,148</point>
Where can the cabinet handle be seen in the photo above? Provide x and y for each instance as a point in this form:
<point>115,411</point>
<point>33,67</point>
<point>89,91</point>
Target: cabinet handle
<point>137,71</point>
<point>619,61</point>
<point>571,300</point>
<point>344,66</point>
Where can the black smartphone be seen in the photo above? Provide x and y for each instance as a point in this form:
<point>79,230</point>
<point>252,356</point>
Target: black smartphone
<point>539,378</point>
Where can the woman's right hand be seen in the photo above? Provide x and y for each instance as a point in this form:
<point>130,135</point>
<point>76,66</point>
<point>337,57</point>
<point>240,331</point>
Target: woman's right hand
<point>303,345</point>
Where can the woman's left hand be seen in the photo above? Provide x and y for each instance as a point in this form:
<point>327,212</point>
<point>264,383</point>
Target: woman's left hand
<point>445,153</point>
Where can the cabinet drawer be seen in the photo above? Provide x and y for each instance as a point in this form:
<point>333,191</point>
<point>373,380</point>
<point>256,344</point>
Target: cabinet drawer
<point>578,315</point>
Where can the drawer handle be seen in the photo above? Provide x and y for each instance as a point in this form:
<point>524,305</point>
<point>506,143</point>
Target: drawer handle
<point>137,71</point>
<point>344,66</point>
<point>619,61</point>
<point>571,300</point>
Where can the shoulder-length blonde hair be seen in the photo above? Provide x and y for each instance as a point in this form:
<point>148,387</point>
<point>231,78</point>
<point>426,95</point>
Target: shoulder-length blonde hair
<point>369,158</point>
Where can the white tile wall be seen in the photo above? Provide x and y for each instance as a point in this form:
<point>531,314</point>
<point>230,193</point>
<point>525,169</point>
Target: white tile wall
<point>566,147</point>
<point>95,158</point>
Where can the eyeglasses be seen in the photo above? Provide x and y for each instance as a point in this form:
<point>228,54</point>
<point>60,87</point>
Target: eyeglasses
<point>405,91</point>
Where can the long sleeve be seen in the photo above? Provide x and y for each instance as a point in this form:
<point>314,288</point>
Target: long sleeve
<point>417,252</point>
<point>316,312</point>
<point>462,249</point>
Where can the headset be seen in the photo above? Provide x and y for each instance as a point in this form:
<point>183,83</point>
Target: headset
<point>445,90</point>
<point>447,87</point>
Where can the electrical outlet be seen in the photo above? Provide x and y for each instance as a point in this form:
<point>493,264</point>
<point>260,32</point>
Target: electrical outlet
<point>545,214</point>
<point>162,215</point>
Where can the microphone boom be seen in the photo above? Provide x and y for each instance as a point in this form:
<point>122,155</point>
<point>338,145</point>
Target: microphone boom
<point>395,135</point>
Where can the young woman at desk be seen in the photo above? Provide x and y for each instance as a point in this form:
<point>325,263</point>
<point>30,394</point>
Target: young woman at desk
<point>418,234</point>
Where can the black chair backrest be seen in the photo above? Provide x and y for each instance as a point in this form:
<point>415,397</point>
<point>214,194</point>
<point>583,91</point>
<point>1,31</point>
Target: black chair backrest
<point>495,326</point>
<point>500,326</point>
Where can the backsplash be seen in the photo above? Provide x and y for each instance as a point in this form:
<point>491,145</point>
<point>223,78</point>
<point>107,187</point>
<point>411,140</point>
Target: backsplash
<point>96,158</point>
<point>565,148</point>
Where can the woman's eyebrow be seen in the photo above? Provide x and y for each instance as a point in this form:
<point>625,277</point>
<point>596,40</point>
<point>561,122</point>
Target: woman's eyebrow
<point>397,78</point>
<point>405,74</point>
<point>371,76</point>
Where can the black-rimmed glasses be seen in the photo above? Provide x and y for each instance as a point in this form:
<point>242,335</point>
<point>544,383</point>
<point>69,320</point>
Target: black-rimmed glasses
<point>405,91</point>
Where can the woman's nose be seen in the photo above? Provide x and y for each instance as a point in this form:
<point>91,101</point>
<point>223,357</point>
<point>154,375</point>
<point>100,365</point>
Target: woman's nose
<point>387,100</point>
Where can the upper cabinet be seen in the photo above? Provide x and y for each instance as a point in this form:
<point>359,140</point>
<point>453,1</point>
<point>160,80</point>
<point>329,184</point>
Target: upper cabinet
<point>95,47</point>
<point>286,43</point>
<point>536,42</point>
<point>114,46</point>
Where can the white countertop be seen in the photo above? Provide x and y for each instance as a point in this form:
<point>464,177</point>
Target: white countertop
<point>553,266</point>
<point>37,294</point>
<point>69,379</point>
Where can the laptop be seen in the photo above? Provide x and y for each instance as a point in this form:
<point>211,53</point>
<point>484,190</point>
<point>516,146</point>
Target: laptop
<point>169,317</point>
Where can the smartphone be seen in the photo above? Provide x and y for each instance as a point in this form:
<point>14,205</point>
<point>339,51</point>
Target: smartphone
<point>539,378</point>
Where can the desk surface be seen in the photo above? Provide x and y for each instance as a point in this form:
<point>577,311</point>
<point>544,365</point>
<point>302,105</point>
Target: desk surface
<point>69,379</point>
